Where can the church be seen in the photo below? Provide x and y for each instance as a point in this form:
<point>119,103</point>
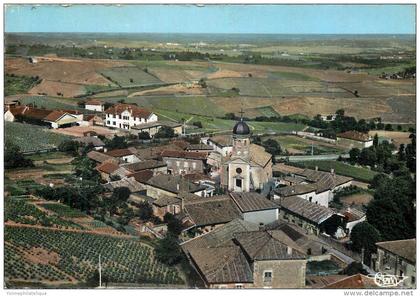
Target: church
<point>247,167</point>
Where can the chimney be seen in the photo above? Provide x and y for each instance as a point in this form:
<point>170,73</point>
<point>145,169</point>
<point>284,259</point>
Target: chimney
<point>177,187</point>
<point>332,171</point>
<point>316,168</point>
<point>289,250</point>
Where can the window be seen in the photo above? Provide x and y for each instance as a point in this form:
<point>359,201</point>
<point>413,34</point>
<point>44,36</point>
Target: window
<point>239,183</point>
<point>239,286</point>
<point>113,123</point>
<point>185,164</point>
<point>413,279</point>
<point>126,118</point>
<point>107,122</point>
<point>310,199</point>
<point>268,275</point>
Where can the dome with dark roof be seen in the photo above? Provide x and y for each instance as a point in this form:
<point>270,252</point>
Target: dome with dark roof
<point>241,128</point>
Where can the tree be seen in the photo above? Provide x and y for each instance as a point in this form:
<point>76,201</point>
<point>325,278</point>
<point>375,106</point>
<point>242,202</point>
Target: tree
<point>230,116</point>
<point>13,157</point>
<point>119,196</point>
<point>168,251</point>
<point>175,226</point>
<point>144,135</point>
<point>117,142</point>
<point>379,180</point>
<point>388,127</point>
<point>354,268</point>
<point>202,83</point>
<point>401,152</point>
<point>367,157</point>
<point>364,236</point>
<point>354,155</point>
<point>272,147</point>
<point>165,132</point>
<point>145,211</point>
<point>69,146</point>
<point>340,112</point>
<point>85,169</point>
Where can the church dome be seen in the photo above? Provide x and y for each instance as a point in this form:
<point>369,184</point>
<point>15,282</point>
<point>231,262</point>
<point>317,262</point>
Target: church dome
<point>241,128</point>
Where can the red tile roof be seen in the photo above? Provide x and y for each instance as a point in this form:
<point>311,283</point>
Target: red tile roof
<point>142,176</point>
<point>94,102</point>
<point>119,153</point>
<point>55,115</point>
<point>354,135</point>
<point>134,110</point>
<point>30,112</point>
<point>107,167</point>
<point>357,281</point>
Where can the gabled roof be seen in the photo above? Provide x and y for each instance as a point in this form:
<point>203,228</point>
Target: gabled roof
<point>357,281</point>
<point>119,153</point>
<point>295,190</point>
<point>212,210</point>
<point>166,200</point>
<point>252,201</point>
<point>142,176</point>
<point>222,265</point>
<point>258,155</point>
<point>173,183</point>
<point>30,112</point>
<point>133,109</point>
<point>262,245</point>
<point>107,167</point>
<point>222,140</point>
<point>324,180</point>
<point>199,147</point>
<point>94,102</point>
<point>143,165</point>
<point>55,115</point>
<point>403,248</point>
<point>129,183</point>
<point>155,152</point>
<point>184,155</point>
<point>313,212</point>
<point>100,157</point>
<point>355,135</point>
<point>221,236</point>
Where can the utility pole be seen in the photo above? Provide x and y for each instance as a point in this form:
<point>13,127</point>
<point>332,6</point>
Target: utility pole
<point>100,272</point>
<point>312,149</point>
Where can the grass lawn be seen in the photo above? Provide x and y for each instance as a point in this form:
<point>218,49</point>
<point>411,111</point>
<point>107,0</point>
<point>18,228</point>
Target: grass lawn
<point>362,174</point>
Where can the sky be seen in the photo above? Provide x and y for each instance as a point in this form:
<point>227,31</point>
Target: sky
<point>267,19</point>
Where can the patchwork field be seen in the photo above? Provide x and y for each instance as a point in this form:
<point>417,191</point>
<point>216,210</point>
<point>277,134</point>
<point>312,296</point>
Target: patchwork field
<point>129,76</point>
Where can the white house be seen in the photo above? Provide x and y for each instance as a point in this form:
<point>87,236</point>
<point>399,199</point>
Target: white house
<point>255,208</point>
<point>124,155</point>
<point>222,144</point>
<point>95,105</point>
<point>125,116</point>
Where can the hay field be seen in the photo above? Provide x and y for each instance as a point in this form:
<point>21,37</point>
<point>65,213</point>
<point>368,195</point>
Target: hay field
<point>129,76</point>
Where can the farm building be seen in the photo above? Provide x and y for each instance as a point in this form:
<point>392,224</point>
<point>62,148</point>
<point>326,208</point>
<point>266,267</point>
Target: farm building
<point>398,258</point>
<point>63,118</point>
<point>153,127</point>
<point>125,116</point>
<point>26,113</point>
<point>355,139</point>
<point>96,142</point>
<point>312,217</point>
<point>238,255</point>
<point>109,169</point>
<point>95,105</point>
<point>155,166</point>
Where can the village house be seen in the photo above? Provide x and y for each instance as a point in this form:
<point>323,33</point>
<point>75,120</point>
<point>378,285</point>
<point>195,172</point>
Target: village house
<point>199,148</point>
<point>398,258</point>
<point>171,185</point>
<point>312,217</point>
<point>127,182</point>
<point>153,127</point>
<point>353,217</point>
<point>95,105</point>
<point>26,113</point>
<point>238,255</point>
<point>110,171</point>
<point>125,116</point>
<point>354,139</point>
<point>64,118</point>
<point>99,157</point>
<point>156,166</point>
<point>92,120</point>
<point>220,143</point>
<point>124,155</point>
<point>183,162</point>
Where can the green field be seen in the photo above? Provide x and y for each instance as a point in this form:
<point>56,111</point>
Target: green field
<point>18,84</point>
<point>63,210</point>
<point>288,142</point>
<point>129,76</point>
<point>123,260</point>
<point>359,173</point>
<point>31,137</point>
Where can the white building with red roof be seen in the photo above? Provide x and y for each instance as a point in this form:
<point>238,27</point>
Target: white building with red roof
<point>126,116</point>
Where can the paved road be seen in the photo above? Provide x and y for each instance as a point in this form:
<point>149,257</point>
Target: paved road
<point>313,157</point>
